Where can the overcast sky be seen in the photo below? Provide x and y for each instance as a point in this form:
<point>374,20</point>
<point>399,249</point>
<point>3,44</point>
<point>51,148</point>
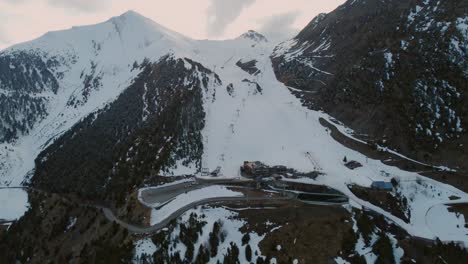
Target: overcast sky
<point>23,20</point>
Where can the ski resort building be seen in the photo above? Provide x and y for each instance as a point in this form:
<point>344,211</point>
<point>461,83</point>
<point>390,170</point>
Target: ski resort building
<point>259,169</point>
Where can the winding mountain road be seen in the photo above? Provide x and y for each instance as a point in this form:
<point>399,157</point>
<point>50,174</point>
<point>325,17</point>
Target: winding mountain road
<point>162,195</point>
<point>154,228</point>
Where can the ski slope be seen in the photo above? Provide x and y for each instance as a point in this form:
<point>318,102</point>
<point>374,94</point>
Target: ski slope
<point>274,127</point>
<point>268,124</point>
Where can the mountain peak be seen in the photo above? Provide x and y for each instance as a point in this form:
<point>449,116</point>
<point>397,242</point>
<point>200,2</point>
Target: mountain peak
<point>132,15</point>
<point>129,31</point>
<point>253,35</point>
<point>137,27</point>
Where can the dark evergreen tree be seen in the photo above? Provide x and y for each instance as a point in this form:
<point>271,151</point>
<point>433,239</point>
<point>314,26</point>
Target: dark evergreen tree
<point>384,250</point>
<point>248,253</point>
<point>245,239</point>
<point>214,239</point>
<point>232,256</point>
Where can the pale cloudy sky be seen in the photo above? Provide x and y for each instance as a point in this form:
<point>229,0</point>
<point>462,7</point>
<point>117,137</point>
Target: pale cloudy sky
<point>23,20</point>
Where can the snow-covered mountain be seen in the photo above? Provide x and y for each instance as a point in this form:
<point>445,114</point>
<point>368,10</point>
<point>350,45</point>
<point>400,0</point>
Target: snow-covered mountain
<point>50,83</point>
<point>102,110</point>
<point>395,71</point>
<point>101,69</point>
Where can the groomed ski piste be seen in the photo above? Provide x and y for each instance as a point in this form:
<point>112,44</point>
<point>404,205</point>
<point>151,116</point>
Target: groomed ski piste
<point>268,124</point>
<point>272,126</point>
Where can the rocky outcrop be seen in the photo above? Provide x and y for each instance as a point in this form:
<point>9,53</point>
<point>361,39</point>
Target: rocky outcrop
<point>249,66</point>
<point>253,35</point>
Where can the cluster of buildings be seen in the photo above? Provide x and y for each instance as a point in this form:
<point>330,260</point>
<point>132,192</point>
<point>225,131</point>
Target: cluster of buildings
<point>258,169</point>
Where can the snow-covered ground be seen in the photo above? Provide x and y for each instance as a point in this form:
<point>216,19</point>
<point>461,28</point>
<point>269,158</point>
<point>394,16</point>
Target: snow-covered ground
<point>268,124</point>
<point>367,250</point>
<point>230,226</point>
<point>13,204</point>
<point>445,224</point>
<point>272,126</point>
<point>82,51</point>
<point>143,247</point>
<point>158,215</point>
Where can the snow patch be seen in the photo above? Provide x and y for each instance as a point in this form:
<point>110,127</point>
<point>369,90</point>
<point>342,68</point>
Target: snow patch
<point>446,225</point>
<point>143,247</point>
<point>13,204</point>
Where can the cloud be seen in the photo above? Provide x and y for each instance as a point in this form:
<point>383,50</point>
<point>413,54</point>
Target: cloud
<point>4,39</point>
<point>14,1</point>
<point>221,13</point>
<point>81,5</point>
<point>280,27</point>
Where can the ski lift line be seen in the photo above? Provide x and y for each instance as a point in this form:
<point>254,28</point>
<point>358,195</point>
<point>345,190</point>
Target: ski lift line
<point>313,161</point>
<point>206,138</point>
<point>226,62</point>
<point>230,133</point>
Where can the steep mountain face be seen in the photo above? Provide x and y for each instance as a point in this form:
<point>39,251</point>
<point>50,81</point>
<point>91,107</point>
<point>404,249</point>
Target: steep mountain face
<point>49,84</point>
<point>110,122</point>
<point>26,83</point>
<point>395,71</point>
<point>153,124</point>
<point>83,85</point>
<point>83,57</point>
<point>112,108</point>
